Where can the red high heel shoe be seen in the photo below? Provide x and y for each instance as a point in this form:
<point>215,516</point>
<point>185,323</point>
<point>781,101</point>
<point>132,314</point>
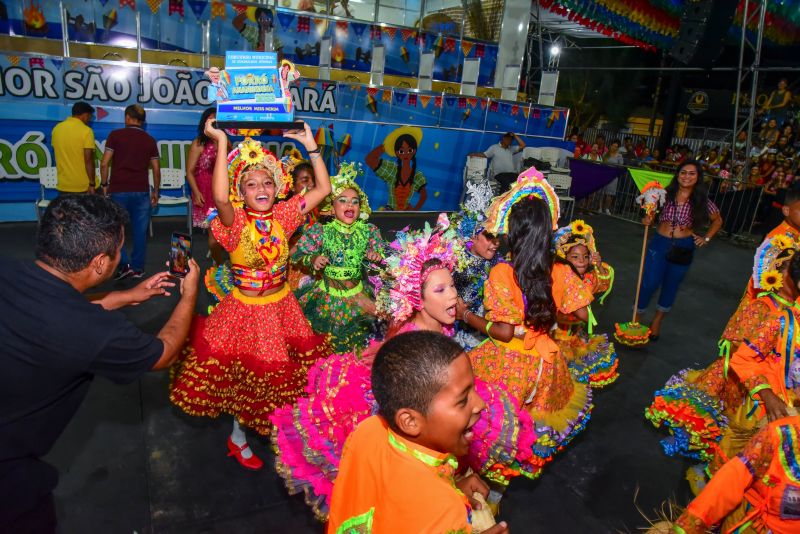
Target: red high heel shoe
<point>253,463</point>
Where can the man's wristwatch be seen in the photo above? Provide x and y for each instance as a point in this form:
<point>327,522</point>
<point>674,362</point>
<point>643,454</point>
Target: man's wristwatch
<point>707,239</point>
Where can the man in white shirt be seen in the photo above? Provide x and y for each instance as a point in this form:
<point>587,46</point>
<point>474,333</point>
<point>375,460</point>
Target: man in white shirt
<point>503,168</point>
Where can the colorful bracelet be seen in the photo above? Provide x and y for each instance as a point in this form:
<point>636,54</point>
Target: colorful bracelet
<point>488,327</point>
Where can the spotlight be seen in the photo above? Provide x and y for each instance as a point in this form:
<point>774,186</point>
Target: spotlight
<point>555,50</point>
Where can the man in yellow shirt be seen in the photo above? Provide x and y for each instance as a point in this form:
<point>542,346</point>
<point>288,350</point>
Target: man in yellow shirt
<point>73,145</point>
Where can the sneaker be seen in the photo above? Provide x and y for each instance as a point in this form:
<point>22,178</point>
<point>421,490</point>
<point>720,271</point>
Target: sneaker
<point>137,273</point>
<point>124,272</point>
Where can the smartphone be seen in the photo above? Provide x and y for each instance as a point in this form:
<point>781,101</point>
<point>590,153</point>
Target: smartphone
<point>180,252</point>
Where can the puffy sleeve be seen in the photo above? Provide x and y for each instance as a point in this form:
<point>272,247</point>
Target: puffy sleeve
<point>502,297</point>
<point>419,181</point>
<point>229,236</point>
<point>602,283</point>
<point>289,214</point>
<point>747,321</point>
<point>376,243</point>
<point>756,359</point>
<point>310,243</point>
<point>569,292</point>
<point>387,171</point>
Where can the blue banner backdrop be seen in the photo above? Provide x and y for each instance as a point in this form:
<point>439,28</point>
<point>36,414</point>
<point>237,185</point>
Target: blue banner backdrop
<point>350,120</point>
<point>167,25</point>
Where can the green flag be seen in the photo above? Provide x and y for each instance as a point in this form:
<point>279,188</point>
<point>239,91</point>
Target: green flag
<point>643,176</point>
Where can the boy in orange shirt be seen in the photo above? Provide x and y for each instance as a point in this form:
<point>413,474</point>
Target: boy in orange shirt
<point>397,472</point>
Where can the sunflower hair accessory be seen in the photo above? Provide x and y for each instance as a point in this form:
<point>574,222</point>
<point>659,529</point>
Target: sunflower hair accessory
<point>249,156</point>
<point>401,295</point>
<point>572,235</point>
<point>346,179</point>
<point>770,257</point>
<point>529,183</point>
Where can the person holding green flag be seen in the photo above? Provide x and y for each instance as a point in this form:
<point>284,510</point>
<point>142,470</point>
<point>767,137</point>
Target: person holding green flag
<point>671,250</point>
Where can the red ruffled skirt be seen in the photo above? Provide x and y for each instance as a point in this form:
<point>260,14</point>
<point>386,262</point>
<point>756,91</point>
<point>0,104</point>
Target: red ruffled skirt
<point>250,356</point>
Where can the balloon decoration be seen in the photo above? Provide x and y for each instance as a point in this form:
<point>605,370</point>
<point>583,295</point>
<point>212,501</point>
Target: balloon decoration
<point>654,24</point>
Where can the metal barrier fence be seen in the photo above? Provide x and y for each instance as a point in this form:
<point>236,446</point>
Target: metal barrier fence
<point>740,206</point>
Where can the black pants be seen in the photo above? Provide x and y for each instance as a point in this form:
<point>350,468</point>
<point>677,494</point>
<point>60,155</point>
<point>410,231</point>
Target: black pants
<point>506,180</point>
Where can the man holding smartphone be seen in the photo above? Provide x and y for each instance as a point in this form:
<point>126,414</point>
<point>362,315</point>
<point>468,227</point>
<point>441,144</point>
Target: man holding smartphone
<point>55,340</point>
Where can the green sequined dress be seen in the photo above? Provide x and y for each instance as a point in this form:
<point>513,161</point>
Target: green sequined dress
<point>331,303</point>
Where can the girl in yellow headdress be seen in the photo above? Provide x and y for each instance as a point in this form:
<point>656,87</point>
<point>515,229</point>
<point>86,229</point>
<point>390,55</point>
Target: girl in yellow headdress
<point>579,274</point>
<point>251,354</point>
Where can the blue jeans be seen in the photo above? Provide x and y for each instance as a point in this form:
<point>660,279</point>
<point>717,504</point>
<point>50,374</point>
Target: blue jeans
<point>138,207</point>
<point>658,272</point>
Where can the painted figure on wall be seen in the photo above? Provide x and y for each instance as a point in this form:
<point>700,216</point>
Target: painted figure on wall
<point>402,176</point>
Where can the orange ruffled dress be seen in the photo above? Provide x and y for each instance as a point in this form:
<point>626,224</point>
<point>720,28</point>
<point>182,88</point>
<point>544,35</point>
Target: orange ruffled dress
<point>532,369</point>
<point>712,413</point>
<point>758,491</point>
<point>591,358</point>
<point>252,353</point>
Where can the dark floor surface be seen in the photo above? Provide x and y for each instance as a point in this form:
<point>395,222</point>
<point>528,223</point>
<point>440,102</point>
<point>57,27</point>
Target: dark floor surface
<point>130,462</point>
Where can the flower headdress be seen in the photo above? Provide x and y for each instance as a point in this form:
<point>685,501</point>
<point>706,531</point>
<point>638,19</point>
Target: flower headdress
<point>250,155</point>
<point>577,233</point>
<point>401,296</point>
<point>471,219</point>
<point>346,179</point>
<point>769,259</point>
<point>529,183</point>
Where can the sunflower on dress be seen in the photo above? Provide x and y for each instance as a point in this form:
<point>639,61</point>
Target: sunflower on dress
<point>341,300</point>
<point>578,275</point>
<point>710,414</point>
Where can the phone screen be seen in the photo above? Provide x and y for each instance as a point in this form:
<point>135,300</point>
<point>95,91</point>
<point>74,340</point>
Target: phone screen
<point>180,251</point>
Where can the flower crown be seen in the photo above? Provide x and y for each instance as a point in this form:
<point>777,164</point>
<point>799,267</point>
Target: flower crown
<point>529,183</point>
<point>250,155</point>
<point>346,179</point>
<point>401,296</point>
<point>577,233</point>
<point>769,259</point>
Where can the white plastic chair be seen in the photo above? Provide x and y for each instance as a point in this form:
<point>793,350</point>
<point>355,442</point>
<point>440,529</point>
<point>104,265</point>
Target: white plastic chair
<point>531,152</point>
<point>551,155</point>
<point>48,179</point>
<point>173,179</point>
<point>562,183</point>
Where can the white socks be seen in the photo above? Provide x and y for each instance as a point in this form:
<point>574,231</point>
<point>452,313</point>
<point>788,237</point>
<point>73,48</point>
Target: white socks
<point>239,438</point>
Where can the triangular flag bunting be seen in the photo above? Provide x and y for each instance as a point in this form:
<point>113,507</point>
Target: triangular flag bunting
<point>424,100</point>
<point>391,32</point>
<point>286,20</point>
<point>406,34</point>
<point>129,3</point>
<point>218,9</point>
<point>175,6</point>
<point>197,7</point>
<point>437,101</point>
<point>387,95</point>
<point>154,5</point>
<point>472,102</point>
<point>101,113</point>
<point>466,47</point>
<point>526,111</point>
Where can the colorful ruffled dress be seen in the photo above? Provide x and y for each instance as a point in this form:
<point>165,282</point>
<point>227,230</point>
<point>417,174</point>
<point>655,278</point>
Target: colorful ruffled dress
<point>757,491</point>
<point>533,370</point>
<point>309,436</point>
<point>469,277</point>
<point>331,302</point>
<point>591,357</point>
<point>251,354</point>
<point>711,414</point>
